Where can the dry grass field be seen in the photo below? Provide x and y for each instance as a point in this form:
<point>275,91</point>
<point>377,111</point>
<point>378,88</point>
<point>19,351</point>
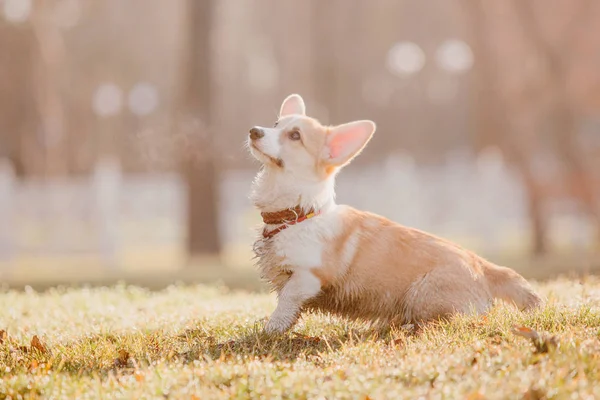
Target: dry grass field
<point>205,342</point>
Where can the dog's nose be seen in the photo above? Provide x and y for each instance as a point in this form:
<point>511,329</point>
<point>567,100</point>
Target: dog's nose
<point>256,133</point>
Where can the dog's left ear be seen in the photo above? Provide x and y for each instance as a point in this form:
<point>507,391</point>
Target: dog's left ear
<point>344,142</point>
<point>293,104</point>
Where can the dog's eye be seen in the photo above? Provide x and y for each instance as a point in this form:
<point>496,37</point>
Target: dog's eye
<point>294,135</point>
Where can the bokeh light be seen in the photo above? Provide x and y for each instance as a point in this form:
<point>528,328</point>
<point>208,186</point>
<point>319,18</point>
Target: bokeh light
<point>16,11</point>
<point>108,100</point>
<point>454,56</point>
<point>143,99</point>
<point>405,59</point>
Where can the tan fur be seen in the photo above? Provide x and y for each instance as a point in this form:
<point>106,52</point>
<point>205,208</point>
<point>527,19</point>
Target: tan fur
<point>404,274</point>
<point>367,267</point>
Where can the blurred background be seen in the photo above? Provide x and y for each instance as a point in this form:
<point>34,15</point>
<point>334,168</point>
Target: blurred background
<point>122,128</point>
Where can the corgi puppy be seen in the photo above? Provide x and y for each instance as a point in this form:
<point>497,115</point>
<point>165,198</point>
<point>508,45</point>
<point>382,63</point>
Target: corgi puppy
<point>318,255</point>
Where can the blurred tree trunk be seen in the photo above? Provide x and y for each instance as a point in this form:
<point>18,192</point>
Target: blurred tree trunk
<point>323,35</point>
<point>493,125</point>
<point>32,72</point>
<point>199,169</point>
<point>49,71</point>
<point>562,114</point>
<point>18,116</point>
<point>489,124</point>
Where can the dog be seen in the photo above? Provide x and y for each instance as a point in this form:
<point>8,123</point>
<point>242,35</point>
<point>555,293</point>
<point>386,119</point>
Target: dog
<point>321,256</point>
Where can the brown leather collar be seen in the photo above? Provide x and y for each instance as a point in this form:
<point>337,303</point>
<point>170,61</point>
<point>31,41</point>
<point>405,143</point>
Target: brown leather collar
<point>285,218</point>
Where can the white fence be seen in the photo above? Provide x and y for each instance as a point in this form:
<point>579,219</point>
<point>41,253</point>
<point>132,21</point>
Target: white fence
<point>476,201</point>
<point>98,215</point>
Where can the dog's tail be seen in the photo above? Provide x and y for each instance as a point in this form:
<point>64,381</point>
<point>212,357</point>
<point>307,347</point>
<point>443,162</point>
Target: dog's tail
<point>508,285</point>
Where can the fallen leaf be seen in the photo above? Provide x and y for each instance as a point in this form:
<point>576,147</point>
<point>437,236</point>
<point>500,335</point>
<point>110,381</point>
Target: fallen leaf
<point>543,342</point>
<point>525,332</point>
<point>432,381</point>
<point>3,336</point>
<point>123,355</point>
<point>497,339</point>
<point>139,376</point>
<point>313,339</point>
<point>49,364</point>
<point>479,322</point>
<point>38,345</point>
<point>534,394</point>
<point>34,364</point>
<point>475,396</point>
<point>123,358</point>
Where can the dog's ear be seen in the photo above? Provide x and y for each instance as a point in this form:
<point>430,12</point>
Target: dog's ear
<point>293,104</point>
<point>344,142</point>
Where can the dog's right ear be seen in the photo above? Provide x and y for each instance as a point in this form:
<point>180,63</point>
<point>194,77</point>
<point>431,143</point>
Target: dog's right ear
<point>293,104</point>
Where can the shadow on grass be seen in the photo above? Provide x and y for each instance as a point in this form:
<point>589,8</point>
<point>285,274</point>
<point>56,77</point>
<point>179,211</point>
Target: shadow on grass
<point>255,343</point>
<point>286,347</point>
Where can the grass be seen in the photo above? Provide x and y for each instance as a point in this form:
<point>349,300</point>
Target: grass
<point>199,342</point>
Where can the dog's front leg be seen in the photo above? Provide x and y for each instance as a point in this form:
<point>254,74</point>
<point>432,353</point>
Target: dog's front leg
<point>301,286</point>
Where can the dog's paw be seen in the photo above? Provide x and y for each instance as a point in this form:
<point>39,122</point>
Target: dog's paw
<point>277,326</point>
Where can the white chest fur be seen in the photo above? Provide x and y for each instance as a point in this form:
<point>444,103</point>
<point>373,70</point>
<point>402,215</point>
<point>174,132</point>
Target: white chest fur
<point>301,246</point>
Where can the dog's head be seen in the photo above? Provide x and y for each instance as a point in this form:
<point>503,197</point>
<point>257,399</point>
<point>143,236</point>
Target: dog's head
<point>301,146</point>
